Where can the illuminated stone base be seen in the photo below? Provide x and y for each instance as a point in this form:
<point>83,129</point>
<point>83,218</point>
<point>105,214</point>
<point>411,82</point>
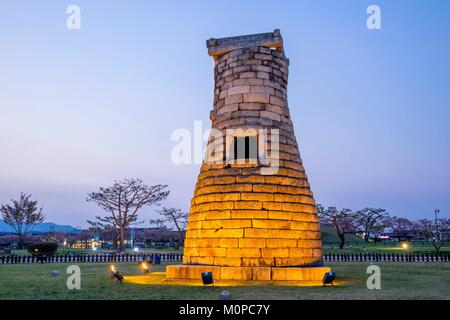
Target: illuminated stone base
<point>271,275</point>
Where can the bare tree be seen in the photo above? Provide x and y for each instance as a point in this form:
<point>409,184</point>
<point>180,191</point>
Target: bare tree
<point>441,226</point>
<point>370,220</point>
<point>175,216</point>
<point>122,202</point>
<point>343,221</point>
<point>22,215</point>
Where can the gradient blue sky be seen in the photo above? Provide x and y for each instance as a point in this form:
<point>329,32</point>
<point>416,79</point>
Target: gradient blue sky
<point>79,109</point>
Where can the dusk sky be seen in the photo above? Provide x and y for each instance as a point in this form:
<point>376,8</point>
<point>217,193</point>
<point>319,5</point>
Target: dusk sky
<point>82,108</point>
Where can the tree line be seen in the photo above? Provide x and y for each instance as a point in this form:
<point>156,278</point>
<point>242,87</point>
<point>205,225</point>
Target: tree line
<point>121,202</point>
<point>371,222</point>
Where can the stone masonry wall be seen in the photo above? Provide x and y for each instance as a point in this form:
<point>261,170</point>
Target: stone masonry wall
<point>239,217</point>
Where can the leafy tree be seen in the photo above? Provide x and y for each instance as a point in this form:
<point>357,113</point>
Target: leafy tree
<point>174,216</point>
<point>425,228</point>
<point>370,220</point>
<point>122,202</point>
<point>343,221</point>
<point>22,215</point>
<point>399,225</point>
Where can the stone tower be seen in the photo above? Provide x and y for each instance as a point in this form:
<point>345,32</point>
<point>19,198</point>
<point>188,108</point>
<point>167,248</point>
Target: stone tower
<point>253,213</point>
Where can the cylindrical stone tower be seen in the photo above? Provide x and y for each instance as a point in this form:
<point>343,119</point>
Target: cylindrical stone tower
<point>253,212</point>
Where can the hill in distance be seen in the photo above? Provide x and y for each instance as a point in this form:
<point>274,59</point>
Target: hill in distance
<point>42,227</point>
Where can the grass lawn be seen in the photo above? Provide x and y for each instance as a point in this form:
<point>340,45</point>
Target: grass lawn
<point>398,281</point>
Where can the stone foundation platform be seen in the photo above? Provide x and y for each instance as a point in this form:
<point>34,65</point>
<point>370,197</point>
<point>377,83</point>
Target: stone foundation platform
<point>281,275</point>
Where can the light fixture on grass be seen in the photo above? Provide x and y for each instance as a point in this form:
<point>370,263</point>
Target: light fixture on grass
<point>207,278</point>
<point>328,278</point>
<point>145,267</point>
<point>116,274</point>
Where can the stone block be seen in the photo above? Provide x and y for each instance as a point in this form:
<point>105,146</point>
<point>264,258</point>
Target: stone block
<point>228,108</point>
<point>280,215</point>
<point>205,243</point>
<point>249,74</point>
<point>238,90</point>
<point>262,233</point>
<point>222,205</point>
<point>251,106</point>
<point>274,252</point>
<point>261,68</point>
<point>256,97</point>
<point>190,272</point>
<point>300,253</point>
<point>212,252</point>
<point>257,196</point>
<point>252,243</point>
<point>297,225</point>
<point>202,260</point>
<point>265,188</point>
<point>232,99</point>
<point>261,274</point>
<point>313,235</point>
<point>262,56</point>
<point>236,273</point>
<point>271,224</point>
<point>249,214</point>
<point>243,252</point>
<point>263,75</point>
<point>252,205</point>
<point>281,243</point>
<point>262,89</point>
<point>299,274</point>
<point>272,206</point>
<point>226,196</point>
<point>223,214</point>
<point>227,224</point>
<point>292,234</point>
<point>250,179</point>
<point>227,262</point>
<point>221,233</point>
<point>258,262</point>
<point>270,115</point>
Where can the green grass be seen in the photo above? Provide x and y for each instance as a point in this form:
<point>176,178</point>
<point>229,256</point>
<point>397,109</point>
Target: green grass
<point>398,281</point>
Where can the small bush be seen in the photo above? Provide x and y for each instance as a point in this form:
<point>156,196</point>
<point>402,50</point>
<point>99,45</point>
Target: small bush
<point>43,249</point>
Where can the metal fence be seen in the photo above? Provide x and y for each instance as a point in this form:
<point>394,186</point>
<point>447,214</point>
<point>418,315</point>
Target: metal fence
<point>386,257</point>
<point>91,258</point>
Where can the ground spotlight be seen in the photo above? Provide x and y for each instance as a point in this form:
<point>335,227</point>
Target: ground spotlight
<point>225,295</point>
<point>116,274</point>
<point>328,278</point>
<point>145,267</point>
<point>207,278</point>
